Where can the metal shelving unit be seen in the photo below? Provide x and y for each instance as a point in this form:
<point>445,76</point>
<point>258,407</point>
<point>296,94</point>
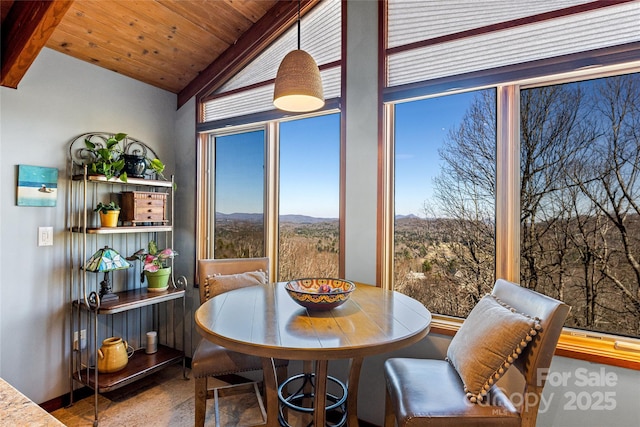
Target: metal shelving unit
<point>136,310</point>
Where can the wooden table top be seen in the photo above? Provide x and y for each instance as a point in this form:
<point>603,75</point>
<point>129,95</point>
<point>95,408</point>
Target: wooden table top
<point>265,321</point>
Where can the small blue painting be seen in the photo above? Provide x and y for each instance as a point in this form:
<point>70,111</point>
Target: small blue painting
<point>37,186</point>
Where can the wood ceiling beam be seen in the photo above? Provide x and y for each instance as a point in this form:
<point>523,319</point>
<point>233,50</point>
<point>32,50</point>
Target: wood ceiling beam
<point>25,31</point>
<point>247,47</point>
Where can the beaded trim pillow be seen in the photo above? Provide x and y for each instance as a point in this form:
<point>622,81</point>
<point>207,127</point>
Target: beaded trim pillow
<point>487,343</point>
<point>219,283</point>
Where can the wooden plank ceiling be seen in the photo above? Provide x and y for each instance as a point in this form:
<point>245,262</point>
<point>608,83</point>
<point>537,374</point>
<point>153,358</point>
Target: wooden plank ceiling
<point>176,45</point>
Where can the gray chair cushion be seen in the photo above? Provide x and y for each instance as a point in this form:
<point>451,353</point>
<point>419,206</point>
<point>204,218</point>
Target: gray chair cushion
<point>430,392</point>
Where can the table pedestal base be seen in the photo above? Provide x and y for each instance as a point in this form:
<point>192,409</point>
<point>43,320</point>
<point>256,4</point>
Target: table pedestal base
<point>335,407</point>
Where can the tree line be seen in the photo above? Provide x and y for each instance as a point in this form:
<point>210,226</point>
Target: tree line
<point>579,206</point>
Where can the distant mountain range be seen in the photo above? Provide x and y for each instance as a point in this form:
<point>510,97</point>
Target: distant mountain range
<point>295,219</point>
<point>254,217</point>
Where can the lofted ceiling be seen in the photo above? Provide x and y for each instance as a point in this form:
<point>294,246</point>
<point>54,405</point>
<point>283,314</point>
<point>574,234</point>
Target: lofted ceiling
<point>183,46</point>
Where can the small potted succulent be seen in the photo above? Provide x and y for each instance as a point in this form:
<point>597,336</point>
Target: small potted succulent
<point>155,266</point>
<point>109,213</point>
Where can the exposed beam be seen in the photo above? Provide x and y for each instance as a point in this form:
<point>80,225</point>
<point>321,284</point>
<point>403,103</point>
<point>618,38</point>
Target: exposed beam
<point>26,29</point>
<point>247,47</point>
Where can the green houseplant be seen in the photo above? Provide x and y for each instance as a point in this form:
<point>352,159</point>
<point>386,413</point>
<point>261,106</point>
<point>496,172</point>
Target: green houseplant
<point>109,160</point>
<point>155,265</point>
<point>109,213</point>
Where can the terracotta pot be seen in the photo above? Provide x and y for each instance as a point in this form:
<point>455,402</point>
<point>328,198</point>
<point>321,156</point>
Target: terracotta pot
<point>109,218</point>
<point>112,356</point>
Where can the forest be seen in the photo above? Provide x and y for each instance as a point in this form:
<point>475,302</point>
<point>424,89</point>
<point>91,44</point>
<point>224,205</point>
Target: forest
<point>579,207</point>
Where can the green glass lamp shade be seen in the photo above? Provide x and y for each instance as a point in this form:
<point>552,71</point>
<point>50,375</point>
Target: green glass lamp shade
<point>106,259</point>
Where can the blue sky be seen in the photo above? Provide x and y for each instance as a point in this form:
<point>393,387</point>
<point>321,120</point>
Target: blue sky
<point>421,129</point>
<point>309,160</point>
<point>309,169</point>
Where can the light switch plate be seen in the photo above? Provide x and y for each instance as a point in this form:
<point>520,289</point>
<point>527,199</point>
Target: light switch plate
<point>45,236</point>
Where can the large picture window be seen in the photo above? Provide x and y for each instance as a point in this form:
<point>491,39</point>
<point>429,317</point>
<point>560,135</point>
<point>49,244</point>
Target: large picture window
<point>444,240</point>
<point>580,204</point>
<point>294,219</point>
<point>239,195</point>
<point>308,238</point>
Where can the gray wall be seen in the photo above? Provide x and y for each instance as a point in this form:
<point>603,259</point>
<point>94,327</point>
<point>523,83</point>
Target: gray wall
<point>61,97</point>
<point>58,99</point>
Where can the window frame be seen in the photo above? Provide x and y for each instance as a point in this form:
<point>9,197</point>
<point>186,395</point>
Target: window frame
<point>205,184</point>
<point>591,346</point>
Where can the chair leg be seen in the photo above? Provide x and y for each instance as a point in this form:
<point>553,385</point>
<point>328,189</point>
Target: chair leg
<point>282,373</point>
<point>201,401</point>
<point>389,415</point>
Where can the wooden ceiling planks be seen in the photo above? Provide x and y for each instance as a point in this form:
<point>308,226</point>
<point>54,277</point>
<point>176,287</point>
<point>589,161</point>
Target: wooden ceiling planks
<point>222,21</point>
<point>165,43</point>
<point>252,10</point>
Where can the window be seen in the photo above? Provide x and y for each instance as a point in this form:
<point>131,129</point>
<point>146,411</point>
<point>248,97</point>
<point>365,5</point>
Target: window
<point>444,200</point>
<point>580,204</point>
<point>309,197</point>
<point>243,200</point>
<point>238,194</point>
<point>565,179</point>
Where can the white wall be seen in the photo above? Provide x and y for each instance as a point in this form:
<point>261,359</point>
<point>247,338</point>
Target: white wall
<point>58,99</point>
<point>361,141</point>
<point>185,224</point>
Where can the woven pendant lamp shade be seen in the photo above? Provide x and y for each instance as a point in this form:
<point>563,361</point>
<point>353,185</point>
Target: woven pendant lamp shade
<point>298,86</point>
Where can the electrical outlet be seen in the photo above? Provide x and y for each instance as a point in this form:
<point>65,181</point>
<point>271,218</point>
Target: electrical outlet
<point>82,344</point>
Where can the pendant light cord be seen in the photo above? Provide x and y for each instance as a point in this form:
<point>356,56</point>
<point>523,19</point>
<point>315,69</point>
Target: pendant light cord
<point>298,24</point>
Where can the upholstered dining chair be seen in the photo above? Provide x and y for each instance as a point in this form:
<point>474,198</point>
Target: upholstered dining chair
<point>512,326</point>
<point>216,276</point>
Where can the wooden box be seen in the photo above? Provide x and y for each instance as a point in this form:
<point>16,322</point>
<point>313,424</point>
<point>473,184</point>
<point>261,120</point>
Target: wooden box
<point>140,207</point>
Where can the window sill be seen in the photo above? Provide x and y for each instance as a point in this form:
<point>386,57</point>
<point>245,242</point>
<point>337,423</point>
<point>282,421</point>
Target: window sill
<point>574,344</point>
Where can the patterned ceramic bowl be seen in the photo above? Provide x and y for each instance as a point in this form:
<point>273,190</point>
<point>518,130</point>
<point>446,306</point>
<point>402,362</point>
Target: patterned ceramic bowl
<point>320,293</point>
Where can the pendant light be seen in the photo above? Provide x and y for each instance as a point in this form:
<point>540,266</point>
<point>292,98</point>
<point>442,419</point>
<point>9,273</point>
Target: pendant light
<point>298,86</point>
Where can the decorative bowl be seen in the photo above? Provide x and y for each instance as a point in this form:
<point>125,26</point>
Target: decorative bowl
<point>320,294</point>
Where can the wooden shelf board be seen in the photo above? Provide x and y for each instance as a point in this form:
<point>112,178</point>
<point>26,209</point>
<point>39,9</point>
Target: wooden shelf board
<point>136,298</point>
<point>140,365</point>
<point>130,181</point>
<point>125,229</point>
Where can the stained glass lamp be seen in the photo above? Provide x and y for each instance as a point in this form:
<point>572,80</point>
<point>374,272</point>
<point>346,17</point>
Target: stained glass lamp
<point>105,261</point>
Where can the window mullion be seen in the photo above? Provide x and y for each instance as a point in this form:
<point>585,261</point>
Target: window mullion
<point>272,192</point>
<point>508,183</point>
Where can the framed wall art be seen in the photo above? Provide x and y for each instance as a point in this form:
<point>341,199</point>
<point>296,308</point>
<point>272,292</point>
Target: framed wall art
<point>37,186</point>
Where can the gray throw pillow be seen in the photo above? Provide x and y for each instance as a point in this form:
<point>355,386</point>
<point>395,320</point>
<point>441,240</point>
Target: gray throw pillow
<point>487,343</point>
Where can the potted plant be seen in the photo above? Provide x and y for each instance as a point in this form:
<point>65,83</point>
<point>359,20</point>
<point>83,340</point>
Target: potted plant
<point>135,165</point>
<point>155,267</point>
<point>113,162</point>
<point>109,213</point>
<point>108,160</point>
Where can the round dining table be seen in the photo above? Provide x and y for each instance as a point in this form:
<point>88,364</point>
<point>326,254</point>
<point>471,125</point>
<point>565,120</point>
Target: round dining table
<point>265,321</point>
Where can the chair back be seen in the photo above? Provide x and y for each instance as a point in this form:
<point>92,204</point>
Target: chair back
<point>535,360</point>
<point>208,268</point>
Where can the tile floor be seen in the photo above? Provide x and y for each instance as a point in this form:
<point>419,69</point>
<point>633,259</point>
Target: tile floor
<point>162,399</point>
